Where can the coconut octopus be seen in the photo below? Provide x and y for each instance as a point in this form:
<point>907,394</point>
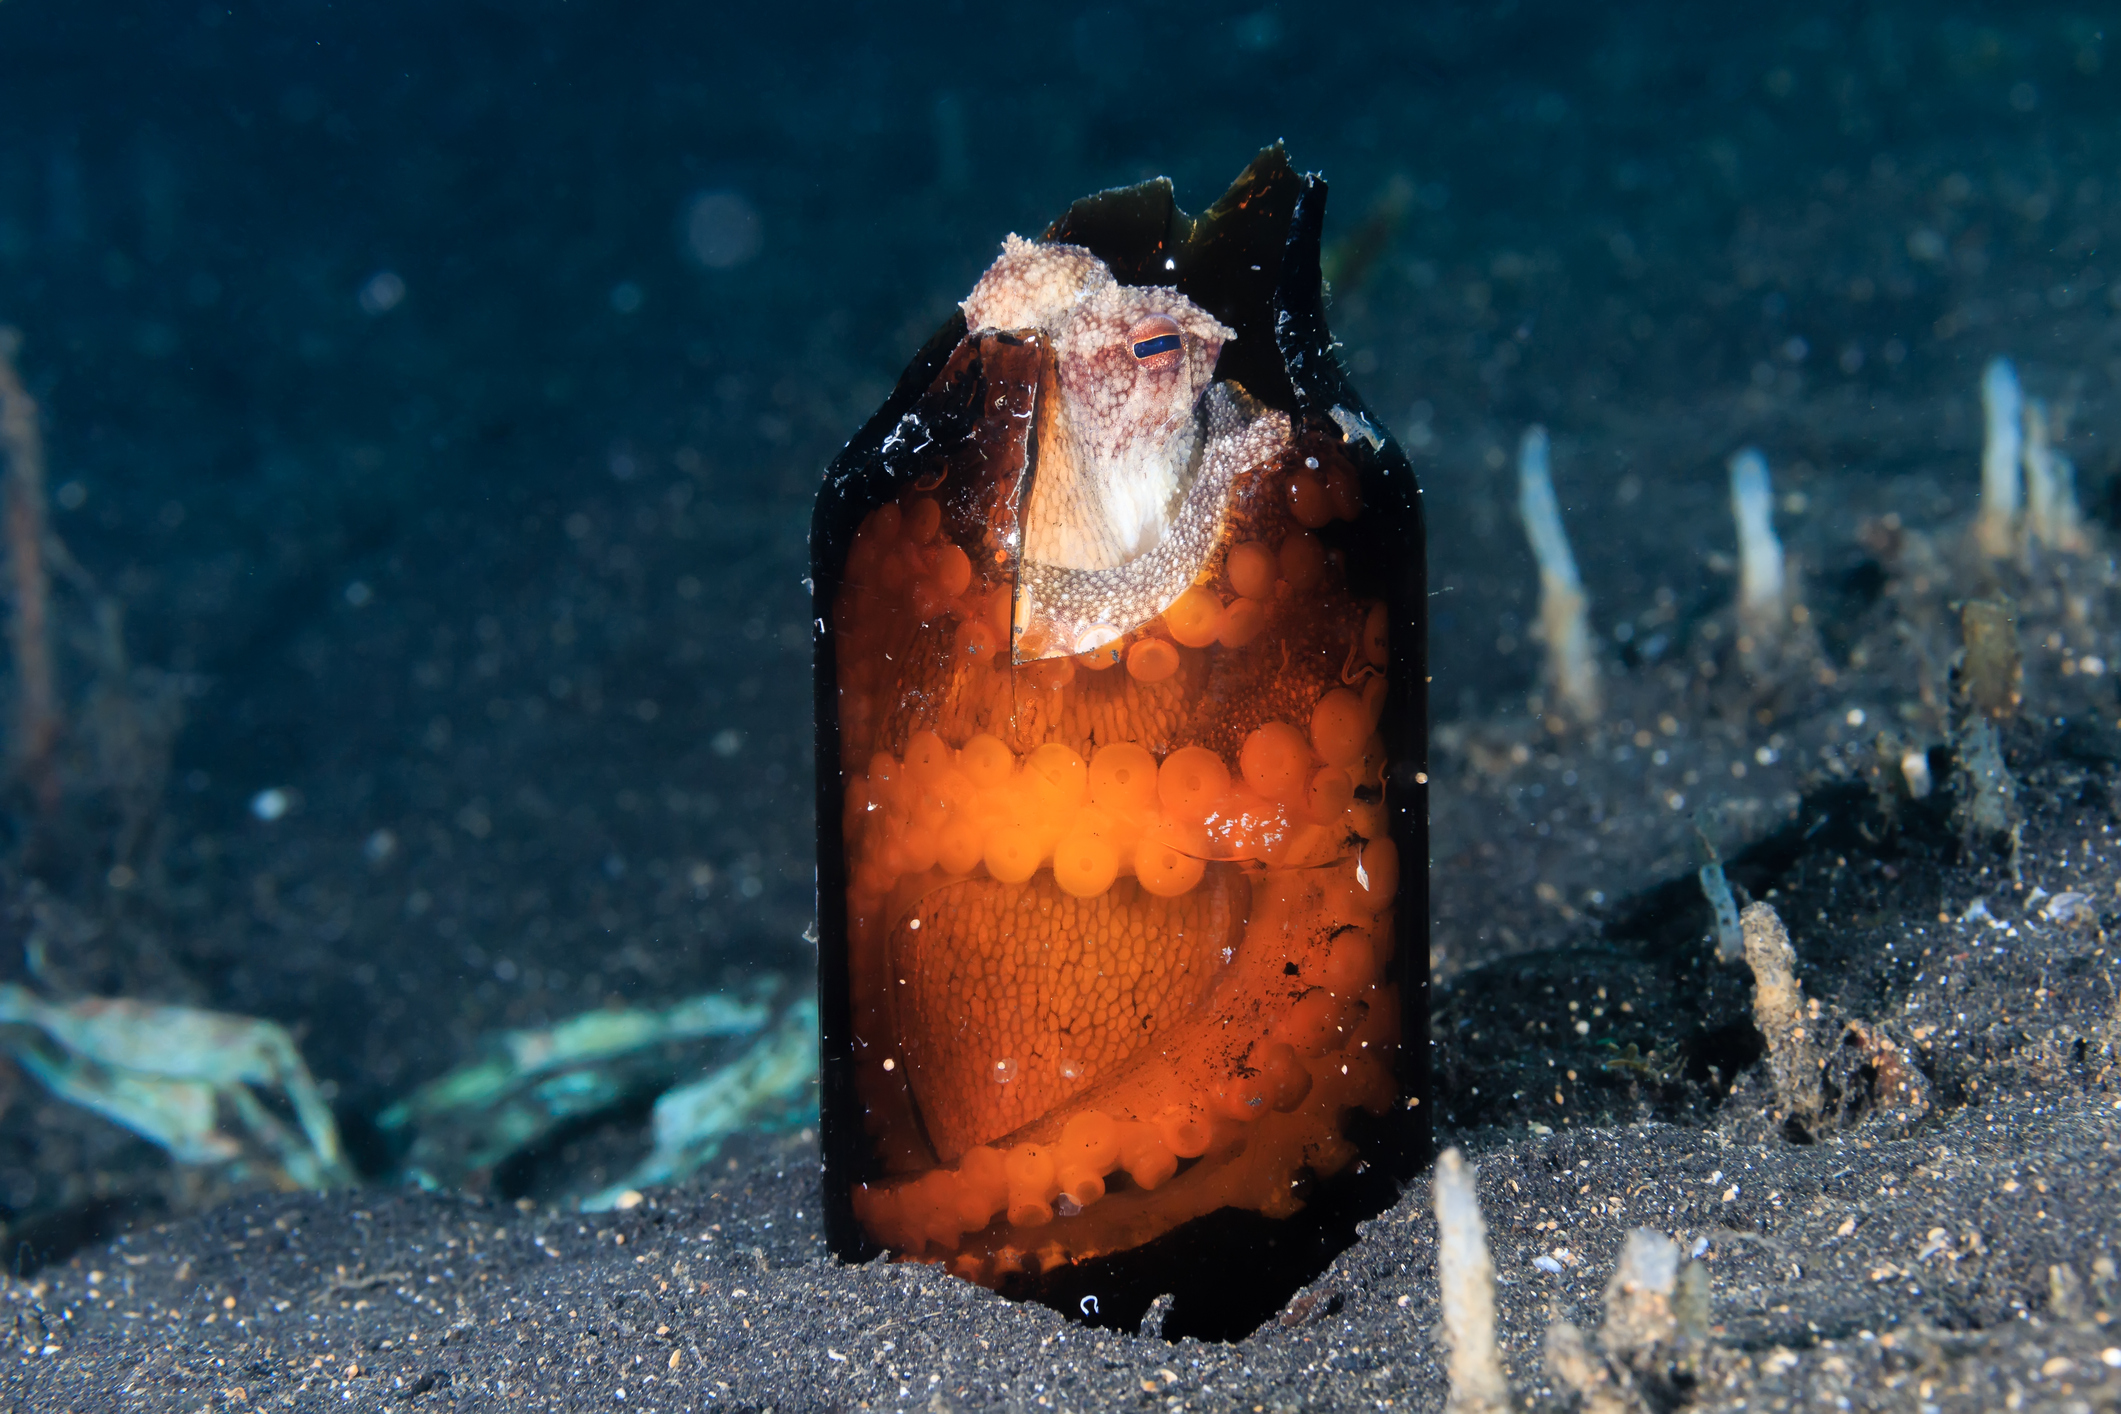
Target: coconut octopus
<point>1122,791</point>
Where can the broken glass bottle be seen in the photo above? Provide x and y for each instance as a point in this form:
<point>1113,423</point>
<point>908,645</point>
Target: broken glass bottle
<point>1121,712</point>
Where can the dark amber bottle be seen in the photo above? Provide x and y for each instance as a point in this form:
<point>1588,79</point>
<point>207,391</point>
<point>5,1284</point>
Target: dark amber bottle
<point>1122,804</point>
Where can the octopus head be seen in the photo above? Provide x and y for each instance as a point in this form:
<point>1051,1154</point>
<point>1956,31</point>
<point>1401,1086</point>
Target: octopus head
<point>1121,427</point>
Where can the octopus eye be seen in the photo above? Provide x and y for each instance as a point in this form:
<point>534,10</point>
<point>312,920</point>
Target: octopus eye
<point>1156,341</point>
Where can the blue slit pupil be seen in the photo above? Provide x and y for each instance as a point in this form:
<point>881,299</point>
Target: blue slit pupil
<point>1150,348</point>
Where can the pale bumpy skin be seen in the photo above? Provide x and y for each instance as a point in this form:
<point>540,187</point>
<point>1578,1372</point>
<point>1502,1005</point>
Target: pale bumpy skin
<point>1063,610</point>
<point>1121,441</point>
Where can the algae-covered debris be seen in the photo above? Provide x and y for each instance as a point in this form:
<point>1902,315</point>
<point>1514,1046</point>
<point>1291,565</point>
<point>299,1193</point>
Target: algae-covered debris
<point>1988,796</point>
<point>772,1086</point>
<point>184,1078</point>
<point>1990,680</point>
<point>531,1082</point>
<point>1870,1076</point>
<point>1822,1084</point>
<point>1988,686</point>
<point>1779,1012</point>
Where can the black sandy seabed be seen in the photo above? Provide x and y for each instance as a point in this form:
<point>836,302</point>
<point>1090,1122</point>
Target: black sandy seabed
<point>553,751</point>
<point>1953,1258</point>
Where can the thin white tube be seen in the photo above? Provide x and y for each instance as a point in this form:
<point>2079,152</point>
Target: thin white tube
<point>1465,1277</point>
<point>1761,581</point>
<point>1564,610</point>
<point>1542,513</point>
<point>2039,461</point>
<point>2001,451</point>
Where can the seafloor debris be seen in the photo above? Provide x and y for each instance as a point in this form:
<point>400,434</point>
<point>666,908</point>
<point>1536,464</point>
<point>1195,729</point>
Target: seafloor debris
<point>1823,1085</point>
<point>1465,1274</point>
<point>184,1078</point>
<point>1649,1350</point>
<point>1988,797</point>
<point>37,721</point>
<point>1564,609</point>
<point>1779,1011</point>
<point>93,763</point>
<point>771,1086</point>
<point>1988,686</point>
<point>529,1083</point>
<point>207,1087</point>
<point>1898,772</point>
<point>1989,680</point>
<point>2053,519</point>
<point>1870,1076</point>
